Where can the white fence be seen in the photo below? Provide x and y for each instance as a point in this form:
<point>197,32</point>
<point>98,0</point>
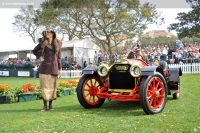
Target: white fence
<point>71,73</point>
<point>187,68</point>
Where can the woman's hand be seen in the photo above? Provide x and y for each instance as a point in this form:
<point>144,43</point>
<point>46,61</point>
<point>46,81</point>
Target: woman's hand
<point>41,58</point>
<point>60,73</point>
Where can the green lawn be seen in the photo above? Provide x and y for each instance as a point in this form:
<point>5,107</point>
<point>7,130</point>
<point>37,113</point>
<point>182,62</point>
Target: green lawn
<point>16,82</point>
<point>179,116</point>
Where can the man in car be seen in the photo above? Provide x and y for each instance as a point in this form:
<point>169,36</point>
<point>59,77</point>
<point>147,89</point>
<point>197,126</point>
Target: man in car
<point>163,64</point>
<point>135,53</point>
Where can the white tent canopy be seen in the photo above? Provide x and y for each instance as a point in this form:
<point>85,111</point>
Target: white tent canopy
<point>82,50</point>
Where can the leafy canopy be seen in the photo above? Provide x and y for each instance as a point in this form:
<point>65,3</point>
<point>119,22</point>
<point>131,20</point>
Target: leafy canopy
<point>189,25</point>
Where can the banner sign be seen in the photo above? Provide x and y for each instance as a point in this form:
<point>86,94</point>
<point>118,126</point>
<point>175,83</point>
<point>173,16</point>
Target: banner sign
<point>24,73</point>
<point>4,73</point>
<point>71,74</point>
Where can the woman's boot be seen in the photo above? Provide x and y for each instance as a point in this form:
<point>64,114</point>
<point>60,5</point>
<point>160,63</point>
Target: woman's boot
<point>50,105</point>
<point>45,105</point>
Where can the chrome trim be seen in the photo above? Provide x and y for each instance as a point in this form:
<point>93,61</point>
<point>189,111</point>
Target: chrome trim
<point>121,67</point>
<point>122,61</point>
<point>132,68</point>
<point>99,70</point>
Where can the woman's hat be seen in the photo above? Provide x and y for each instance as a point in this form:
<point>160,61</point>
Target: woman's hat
<point>48,29</point>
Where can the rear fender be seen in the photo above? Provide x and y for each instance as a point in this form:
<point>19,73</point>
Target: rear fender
<point>174,74</point>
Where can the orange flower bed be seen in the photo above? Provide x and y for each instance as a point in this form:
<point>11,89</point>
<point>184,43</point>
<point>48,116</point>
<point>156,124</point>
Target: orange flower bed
<point>72,83</point>
<point>5,87</point>
<point>69,83</point>
<point>27,88</point>
<point>63,84</point>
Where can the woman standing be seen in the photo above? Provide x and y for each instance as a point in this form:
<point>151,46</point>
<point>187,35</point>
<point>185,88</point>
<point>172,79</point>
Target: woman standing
<point>50,66</point>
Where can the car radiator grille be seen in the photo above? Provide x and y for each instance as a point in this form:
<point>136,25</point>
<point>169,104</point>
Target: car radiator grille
<point>121,80</point>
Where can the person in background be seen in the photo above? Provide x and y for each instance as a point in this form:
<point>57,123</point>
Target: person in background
<point>96,56</point>
<point>164,53</point>
<point>50,66</point>
<point>170,53</point>
<point>99,57</point>
<point>138,44</point>
<point>79,67</point>
<point>90,64</point>
<point>84,64</point>
<point>138,53</point>
<point>35,71</point>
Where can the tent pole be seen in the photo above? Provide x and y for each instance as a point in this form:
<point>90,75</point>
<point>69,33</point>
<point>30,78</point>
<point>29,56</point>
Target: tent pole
<point>18,54</point>
<point>30,57</point>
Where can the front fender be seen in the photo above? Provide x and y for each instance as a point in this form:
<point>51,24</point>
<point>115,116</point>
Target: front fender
<point>90,70</point>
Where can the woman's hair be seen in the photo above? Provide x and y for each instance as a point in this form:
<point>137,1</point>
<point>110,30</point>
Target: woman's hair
<point>44,34</point>
<point>54,35</point>
<point>56,42</point>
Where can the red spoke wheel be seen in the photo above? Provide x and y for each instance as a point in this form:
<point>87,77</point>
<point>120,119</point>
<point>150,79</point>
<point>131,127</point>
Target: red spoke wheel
<point>176,95</point>
<point>153,93</point>
<point>87,88</point>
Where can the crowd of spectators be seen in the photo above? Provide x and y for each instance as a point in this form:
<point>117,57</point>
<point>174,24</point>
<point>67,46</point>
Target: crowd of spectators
<point>178,54</point>
<point>16,63</point>
<point>182,53</point>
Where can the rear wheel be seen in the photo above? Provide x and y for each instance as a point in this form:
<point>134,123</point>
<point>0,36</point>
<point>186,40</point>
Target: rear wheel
<point>153,93</point>
<point>176,95</point>
<point>87,88</point>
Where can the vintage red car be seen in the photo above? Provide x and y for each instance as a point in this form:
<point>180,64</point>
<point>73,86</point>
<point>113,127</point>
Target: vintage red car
<point>129,80</point>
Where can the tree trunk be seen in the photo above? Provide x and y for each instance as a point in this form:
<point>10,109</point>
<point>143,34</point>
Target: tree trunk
<point>109,46</point>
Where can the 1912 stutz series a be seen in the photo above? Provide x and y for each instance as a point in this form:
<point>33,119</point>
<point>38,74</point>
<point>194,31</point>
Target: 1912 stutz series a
<point>129,80</point>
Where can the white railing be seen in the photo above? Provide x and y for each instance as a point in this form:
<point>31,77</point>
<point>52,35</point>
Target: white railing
<point>187,68</point>
<point>71,73</point>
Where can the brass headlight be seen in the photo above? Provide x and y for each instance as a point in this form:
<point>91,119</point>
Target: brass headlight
<point>135,70</point>
<point>103,70</point>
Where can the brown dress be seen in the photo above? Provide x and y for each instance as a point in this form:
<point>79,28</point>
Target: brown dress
<point>49,67</point>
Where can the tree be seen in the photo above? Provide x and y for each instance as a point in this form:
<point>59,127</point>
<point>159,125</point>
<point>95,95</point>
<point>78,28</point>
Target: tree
<point>57,14</point>
<point>106,19</point>
<point>161,40</point>
<point>26,22</point>
<point>189,40</point>
<point>189,25</point>
<point>102,20</point>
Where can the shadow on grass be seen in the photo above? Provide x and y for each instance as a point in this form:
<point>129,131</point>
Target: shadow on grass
<point>170,98</point>
<point>110,108</point>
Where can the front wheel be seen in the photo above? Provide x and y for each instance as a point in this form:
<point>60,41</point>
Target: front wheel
<point>87,88</point>
<point>153,93</point>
